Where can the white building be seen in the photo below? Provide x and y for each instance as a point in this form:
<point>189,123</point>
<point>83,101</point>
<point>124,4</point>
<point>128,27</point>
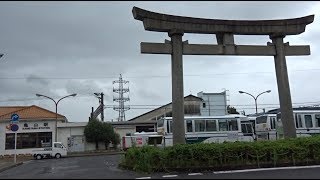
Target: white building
<point>38,125</point>
<point>213,104</point>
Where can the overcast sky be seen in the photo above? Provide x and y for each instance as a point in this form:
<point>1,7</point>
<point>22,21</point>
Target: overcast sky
<point>60,48</point>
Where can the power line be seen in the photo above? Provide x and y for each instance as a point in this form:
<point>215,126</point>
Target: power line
<point>158,105</point>
<point>144,76</point>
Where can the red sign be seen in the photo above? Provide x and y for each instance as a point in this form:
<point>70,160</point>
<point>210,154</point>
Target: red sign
<point>139,140</point>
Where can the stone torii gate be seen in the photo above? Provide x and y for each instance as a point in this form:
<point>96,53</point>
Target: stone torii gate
<point>224,30</point>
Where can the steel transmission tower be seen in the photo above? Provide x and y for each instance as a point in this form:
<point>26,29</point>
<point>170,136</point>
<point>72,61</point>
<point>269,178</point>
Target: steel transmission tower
<point>121,99</point>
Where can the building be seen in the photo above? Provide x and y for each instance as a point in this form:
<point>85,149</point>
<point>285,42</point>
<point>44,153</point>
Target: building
<point>214,104</point>
<point>36,126</point>
<point>72,134</point>
<point>191,108</point>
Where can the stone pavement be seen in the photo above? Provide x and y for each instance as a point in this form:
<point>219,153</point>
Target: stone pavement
<point>8,161</point>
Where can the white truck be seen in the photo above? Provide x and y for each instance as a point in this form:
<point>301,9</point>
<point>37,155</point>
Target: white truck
<point>141,139</point>
<point>56,150</point>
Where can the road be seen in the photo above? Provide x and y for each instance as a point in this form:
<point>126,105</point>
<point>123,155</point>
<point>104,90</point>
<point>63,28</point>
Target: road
<point>105,167</point>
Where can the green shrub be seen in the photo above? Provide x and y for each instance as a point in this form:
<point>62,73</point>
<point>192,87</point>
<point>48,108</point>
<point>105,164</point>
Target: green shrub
<point>224,155</point>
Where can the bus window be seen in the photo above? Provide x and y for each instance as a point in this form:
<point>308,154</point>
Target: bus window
<point>223,126</point>
<point>169,126</point>
<point>317,116</point>
<point>249,128</point>
<point>298,121</point>
<point>199,125</point>
<point>243,128</point>
<point>308,121</point>
<point>261,119</point>
<point>273,123</point>
<point>246,128</point>
<point>211,125</point>
<point>233,125</point>
<point>189,125</point>
<point>160,123</point>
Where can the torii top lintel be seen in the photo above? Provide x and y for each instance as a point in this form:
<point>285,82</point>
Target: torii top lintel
<point>165,23</point>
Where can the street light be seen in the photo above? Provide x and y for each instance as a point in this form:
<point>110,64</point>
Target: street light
<point>255,98</point>
<point>56,103</point>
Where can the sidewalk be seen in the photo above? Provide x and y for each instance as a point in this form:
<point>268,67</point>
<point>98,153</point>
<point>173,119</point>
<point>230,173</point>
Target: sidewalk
<point>8,162</point>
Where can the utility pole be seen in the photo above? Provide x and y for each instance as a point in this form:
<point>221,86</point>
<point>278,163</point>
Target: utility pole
<point>100,109</point>
<point>121,108</point>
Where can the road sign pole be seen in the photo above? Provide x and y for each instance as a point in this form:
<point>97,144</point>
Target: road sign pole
<point>15,147</point>
<point>14,127</point>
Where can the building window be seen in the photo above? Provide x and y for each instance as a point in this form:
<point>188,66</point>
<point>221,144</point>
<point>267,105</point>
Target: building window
<point>28,140</point>
<point>204,105</point>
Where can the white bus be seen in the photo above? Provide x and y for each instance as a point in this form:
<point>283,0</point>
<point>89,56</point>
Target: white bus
<point>307,122</point>
<point>209,129</point>
<point>268,127</point>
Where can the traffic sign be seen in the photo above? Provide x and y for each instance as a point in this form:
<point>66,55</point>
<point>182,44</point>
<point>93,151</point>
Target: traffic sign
<point>14,117</point>
<point>14,127</point>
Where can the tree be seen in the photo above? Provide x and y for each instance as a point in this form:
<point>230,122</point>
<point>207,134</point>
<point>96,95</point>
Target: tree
<point>97,131</point>
<point>108,133</point>
<point>94,132</point>
<point>115,139</point>
<point>232,110</point>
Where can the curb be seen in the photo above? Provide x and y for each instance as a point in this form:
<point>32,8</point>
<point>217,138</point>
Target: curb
<point>11,166</point>
<point>95,154</point>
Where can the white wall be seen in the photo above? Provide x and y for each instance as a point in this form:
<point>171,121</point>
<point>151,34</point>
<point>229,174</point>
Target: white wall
<point>31,128</point>
<point>215,104</point>
<point>65,130</point>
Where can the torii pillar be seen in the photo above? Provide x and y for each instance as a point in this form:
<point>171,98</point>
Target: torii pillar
<point>224,30</point>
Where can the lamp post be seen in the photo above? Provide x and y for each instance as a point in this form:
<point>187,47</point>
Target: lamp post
<point>56,103</point>
<point>255,98</point>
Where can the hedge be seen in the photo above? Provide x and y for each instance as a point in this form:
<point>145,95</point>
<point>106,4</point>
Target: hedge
<point>224,156</point>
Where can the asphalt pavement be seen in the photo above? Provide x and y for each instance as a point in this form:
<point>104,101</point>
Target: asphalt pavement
<point>7,162</point>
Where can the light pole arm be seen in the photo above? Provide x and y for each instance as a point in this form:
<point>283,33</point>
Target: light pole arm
<point>65,97</point>
<point>250,95</point>
<point>262,93</point>
<point>47,97</point>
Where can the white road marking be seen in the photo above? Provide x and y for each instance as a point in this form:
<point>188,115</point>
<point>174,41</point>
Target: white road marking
<point>65,167</point>
<point>266,169</point>
<point>166,176</point>
<point>194,174</point>
<point>144,178</point>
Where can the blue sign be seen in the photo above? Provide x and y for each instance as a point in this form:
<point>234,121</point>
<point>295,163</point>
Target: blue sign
<point>14,117</point>
<point>14,127</point>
